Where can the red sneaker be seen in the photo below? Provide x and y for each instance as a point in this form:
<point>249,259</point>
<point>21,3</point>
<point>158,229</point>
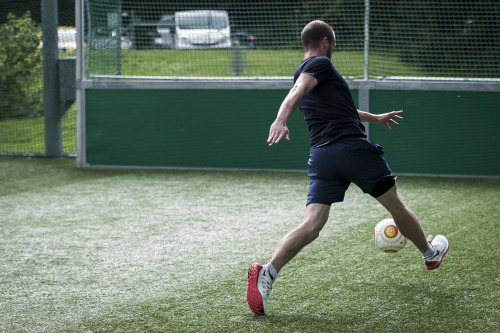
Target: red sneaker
<point>441,245</point>
<point>260,284</point>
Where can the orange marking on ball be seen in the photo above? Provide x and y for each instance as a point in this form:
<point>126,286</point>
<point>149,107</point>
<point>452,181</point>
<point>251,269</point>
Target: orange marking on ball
<point>391,231</point>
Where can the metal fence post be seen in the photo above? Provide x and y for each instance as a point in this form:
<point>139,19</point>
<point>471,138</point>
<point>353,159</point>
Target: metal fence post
<point>238,62</point>
<point>52,116</point>
<point>367,39</point>
<point>364,93</point>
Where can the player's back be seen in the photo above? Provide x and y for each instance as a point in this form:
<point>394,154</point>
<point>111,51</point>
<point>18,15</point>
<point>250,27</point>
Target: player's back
<point>328,109</point>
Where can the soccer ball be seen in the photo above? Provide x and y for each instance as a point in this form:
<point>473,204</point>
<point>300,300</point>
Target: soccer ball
<point>387,236</point>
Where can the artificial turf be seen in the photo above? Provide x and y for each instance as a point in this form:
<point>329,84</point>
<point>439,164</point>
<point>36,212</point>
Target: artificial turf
<point>102,250</point>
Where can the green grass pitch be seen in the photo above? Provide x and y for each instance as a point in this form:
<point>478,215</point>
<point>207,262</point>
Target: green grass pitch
<point>101,250</point>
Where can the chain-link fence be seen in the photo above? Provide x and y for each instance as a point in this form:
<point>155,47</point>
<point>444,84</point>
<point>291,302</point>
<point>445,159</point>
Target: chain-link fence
<point>233,40</point>
<point>375,39</point>
<point>22,127</point>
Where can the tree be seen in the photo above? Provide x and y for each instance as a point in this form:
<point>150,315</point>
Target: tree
<point>20,68</point>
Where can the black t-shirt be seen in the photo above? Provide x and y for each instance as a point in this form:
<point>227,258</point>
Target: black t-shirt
<point>328,109</point>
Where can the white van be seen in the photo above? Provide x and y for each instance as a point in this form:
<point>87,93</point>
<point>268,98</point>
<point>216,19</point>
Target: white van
<point>202,29</point>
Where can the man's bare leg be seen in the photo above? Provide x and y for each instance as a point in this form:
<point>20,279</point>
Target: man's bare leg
<point>404,218</point>
<point>291,244</point>
<point>261,278</point>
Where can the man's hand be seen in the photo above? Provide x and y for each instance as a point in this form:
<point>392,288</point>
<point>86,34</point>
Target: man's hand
<point>387,118</point>
<point>278,131</point>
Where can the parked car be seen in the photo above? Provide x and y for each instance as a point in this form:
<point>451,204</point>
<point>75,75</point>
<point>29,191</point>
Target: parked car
<point>106,39</point>
<point>66,39</point>
<point>164,37</point>
<point>202,29</point>
<point>243,39</point>
<point>126,40</point>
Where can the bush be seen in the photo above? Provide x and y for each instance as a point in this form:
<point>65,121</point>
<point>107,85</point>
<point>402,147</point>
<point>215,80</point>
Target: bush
<point>21,79</point>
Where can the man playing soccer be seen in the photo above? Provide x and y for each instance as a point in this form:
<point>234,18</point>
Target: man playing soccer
<point>340,154</point>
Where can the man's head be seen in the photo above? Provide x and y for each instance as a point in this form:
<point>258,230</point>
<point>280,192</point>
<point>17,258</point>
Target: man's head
<point>317,35</point>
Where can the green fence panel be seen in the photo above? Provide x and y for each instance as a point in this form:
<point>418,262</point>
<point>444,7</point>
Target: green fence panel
<point>446,133</point>
<point>449,133</point>
<point>191,129</point>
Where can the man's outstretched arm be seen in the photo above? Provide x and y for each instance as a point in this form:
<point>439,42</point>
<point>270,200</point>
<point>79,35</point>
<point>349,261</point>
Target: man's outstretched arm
<point>279,129</point>
<point>384,118</point>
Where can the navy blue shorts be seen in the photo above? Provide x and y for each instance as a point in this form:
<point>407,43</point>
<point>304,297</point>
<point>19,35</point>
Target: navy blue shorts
<point>332,168</point>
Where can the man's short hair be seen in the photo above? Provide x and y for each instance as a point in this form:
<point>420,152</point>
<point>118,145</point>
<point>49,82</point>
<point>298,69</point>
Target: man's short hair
<point>314,32</point>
